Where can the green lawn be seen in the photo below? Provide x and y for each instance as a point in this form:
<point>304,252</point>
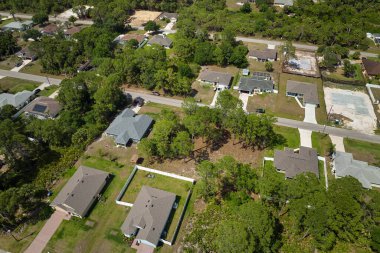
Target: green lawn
<point>322,143</point>
<point>339,74</point>
<point>291,135</point>
<point>9,63</point>
<point>204,92</point>
<point>105,236</point>
<point>35,68</point>
<point>154,109</point>
<point>5,22</point>
<point>363,151</point>
<point>48,90</point>
<point>14,85</point>
<point>176,186</point>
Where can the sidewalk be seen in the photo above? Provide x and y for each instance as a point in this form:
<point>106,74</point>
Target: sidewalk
<point>47,232</point>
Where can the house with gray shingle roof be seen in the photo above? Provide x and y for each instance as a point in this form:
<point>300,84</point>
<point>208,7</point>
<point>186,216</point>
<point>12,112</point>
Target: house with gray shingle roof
<point>161,40</point>
<point>263,55</point>
<point>345,165</point>
<point>80,192</point>
<point>128,126</point>
<point>293,162</point>
<point>306,91</point>
<point>17,100</point>
<point>148,217</point>
<point>220,80</point>
<point>43,108</point>
<point>253,85</point>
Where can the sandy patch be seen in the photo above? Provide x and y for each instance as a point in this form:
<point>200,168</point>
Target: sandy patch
<point>67,14</point>
<point>141,17</point>
<point>354,105</point>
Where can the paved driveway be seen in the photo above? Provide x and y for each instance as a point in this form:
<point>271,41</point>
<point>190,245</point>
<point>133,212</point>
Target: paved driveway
<point>47,232</point>
<point>305,136</point>
<point>244,97</point>
<point>213,103</point>
<point>338,142</point>
<point>24,63</point>
<point>310,114</point>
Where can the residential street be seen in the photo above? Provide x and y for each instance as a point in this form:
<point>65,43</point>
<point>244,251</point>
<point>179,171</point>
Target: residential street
<point>51,18</point>
<point>41,79</point>
<point>280,121</point>
<point>296,45</point>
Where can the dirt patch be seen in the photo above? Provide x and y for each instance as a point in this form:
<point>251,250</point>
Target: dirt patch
<point>304,64</point>
<point>141,17</point>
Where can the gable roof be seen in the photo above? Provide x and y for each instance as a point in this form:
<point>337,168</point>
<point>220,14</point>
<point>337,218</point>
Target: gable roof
<point>372,67</point>
<point>346,165</point>
<point>160,40</point>
<point>168,15</point>
<point>15,99</point>
<point>215,77</point>
<point>126,37</point>
<point>306,160</point>
<point>44,106</point>
<point>73,30</point>
<point>265,54</point>
<point>308,90</point>
<point>127,125</point>
<point>251,83</point>
<point>149,214</point>
<point>26,52</point>
<point>81,190</point>
<point>284,2</point>
<point>50,29</point>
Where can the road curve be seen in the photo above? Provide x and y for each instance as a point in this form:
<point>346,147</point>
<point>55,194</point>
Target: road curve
<point>280,121</point>
<point>35,78</point>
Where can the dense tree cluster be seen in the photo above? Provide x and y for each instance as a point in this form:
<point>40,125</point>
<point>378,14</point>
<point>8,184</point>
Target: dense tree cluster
<point>8,44</point>
<point>323,22</point>
<point>296,215</point>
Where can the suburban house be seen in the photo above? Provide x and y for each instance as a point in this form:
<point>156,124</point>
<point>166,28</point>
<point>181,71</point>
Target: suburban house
<point>375,37</point>
<point>283,3</point>
<point>148,216</point>
<point>17,100</point>
<point>27,54</point>
<point>50,29</point>
<point>161,40</point>
<point>220,80</point>
<point>371,68</point>
<point>293,162</point>
<point>71,31</point>
<point>345,165</point>
<point>124,38</point>
<point>86,66</point>
<point>18,26</point>
<point>306,91</point>
<point>263,55</point>
<point>129,127</point>
<point>173,17</point>
<point>253,85</point>
<point>80,192</point>
<point>43,108</point>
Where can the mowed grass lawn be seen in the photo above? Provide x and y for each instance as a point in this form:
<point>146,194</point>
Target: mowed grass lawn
<point>287,107</point>
<point>169,184</point>
<point>48,90</point>
<point>105,235</point>
<point>203,92</point>
<point>35,68</point>
<point>14,85</point>
<point>9,63</point>
<point>291,139</point>
<point>363,151</point>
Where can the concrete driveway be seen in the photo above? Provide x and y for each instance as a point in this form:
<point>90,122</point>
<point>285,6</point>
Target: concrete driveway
<point>213,103</point>
<point>310,114</point>
<point>244,98</point>
<point>47,232</point>
<point>305,136</point>
<point>24,63</point>
<point>338,142</point>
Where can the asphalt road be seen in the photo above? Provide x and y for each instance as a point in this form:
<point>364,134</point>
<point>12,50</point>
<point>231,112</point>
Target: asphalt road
<point>40,79</point>
<point>280,121</point>
<point>296,45</point>
<point>51,18</point>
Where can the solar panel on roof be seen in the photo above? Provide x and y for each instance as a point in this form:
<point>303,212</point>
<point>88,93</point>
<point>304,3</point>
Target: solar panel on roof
<point>39,108</point>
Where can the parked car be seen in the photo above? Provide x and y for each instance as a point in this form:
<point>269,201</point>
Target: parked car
<point>18,64</point>
<point>36,91</point>
<point>139,101</point>
<point>156,93</point>
<point>260,110</point>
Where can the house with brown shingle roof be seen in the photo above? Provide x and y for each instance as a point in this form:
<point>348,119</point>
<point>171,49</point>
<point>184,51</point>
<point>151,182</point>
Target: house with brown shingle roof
<point>43,108</point>
<point>293,162</point>
<point>72,30</point>
<point>124,38</point>
<point>372,68</point>
<point>50,29</point>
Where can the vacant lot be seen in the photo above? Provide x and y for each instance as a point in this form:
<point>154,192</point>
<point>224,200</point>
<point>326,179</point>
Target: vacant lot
<point>141,17</point>
<point>203,92</point>
<point>154,109</point>
<point>14,85</point>
<point>304,64</point>
<point>339,74</point>
<point>363,151</point>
